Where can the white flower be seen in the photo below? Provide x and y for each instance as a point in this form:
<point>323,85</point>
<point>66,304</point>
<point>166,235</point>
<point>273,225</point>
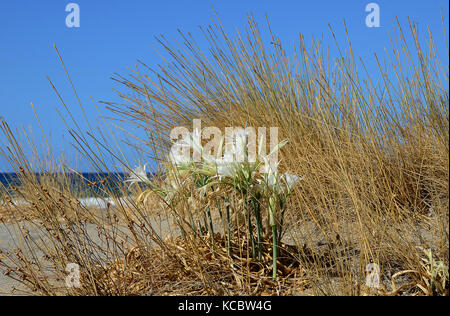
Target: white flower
<point>178,158</point>
<point>225,168</point>
<point>234,156</point>
<point>290,180</point>
<point>279,183</point>
<point>139,174</point>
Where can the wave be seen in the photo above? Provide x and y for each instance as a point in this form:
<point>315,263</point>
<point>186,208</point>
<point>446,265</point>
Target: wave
<point>89,202</point>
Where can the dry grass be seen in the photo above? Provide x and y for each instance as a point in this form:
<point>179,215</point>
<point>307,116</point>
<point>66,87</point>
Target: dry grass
<point>375,156</point>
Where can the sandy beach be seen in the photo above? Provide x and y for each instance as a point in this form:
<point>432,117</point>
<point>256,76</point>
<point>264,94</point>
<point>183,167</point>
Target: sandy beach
<point>9,240</point>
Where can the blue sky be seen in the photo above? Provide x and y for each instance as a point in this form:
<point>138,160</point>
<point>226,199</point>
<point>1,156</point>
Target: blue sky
<point>114,34</point>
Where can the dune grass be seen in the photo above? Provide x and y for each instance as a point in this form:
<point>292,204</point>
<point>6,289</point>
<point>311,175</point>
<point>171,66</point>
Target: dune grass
<point>373,150</point>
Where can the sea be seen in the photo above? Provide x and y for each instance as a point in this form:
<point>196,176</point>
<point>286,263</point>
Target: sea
<point>90,188</point>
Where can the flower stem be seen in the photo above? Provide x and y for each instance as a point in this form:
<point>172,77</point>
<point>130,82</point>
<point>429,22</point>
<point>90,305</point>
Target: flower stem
<point>283,209</point>
<point>250,230</point>
<point>212,227</point>
<point>229,230</point>
<point>257,210</point>
<point>275,251</point>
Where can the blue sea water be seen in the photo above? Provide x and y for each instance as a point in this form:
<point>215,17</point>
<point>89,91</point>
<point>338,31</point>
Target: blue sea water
<point>105,183</point>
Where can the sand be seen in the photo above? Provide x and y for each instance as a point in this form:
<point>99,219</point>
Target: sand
<point>8,240</point>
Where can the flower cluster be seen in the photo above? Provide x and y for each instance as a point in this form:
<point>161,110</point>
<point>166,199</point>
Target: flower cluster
<point>237,169</point>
